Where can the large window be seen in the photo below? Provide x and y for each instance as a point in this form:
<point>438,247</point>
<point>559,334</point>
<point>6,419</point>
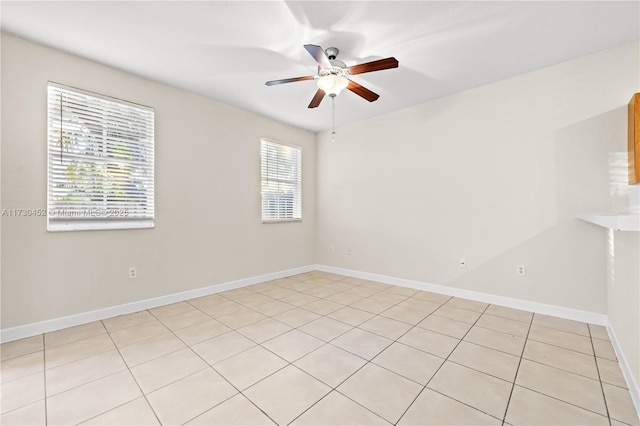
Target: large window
<point>100,162</point>
<point>281,182</point>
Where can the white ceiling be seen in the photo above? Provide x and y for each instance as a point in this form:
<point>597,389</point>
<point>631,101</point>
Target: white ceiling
<point>227,50</point>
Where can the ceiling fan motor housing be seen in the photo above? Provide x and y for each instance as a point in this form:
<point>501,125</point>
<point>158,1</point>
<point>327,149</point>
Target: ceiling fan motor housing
<point>337,67</point>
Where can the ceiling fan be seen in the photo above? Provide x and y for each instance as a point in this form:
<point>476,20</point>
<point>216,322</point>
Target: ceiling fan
<point>333,74</point>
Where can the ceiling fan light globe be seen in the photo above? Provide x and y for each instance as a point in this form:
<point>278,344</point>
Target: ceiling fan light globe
<point>332,84</point>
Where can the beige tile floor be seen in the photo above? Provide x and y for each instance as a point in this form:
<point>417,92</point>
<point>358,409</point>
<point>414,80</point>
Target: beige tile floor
<point>318,349</point>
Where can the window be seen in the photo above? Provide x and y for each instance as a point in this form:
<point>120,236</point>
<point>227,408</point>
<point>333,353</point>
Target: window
<point>100,162</point>
<point>281,182</point>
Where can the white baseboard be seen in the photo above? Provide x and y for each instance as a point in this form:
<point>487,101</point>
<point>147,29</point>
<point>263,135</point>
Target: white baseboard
<point>20,332</point>
<point>542,308</point>
<point>525,305</point>
<point>634,389</point>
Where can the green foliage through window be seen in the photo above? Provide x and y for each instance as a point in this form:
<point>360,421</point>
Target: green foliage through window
<point>101,161</point>
<point>281,182</point>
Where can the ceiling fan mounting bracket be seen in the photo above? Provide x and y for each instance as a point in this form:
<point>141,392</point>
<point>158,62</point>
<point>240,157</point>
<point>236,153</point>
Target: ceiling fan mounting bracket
<point>332,52</point>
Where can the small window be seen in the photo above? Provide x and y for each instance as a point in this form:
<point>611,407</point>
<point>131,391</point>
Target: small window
<point>100,162</point>
<point>281,182</point>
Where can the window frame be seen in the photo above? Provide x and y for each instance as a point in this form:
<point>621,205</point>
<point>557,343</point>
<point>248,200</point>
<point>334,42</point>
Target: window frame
<point>103,217</point>
<point>299,182</point>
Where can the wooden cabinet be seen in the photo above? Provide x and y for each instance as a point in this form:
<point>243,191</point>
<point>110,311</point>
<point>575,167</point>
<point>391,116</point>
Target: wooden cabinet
<point>634,139</point>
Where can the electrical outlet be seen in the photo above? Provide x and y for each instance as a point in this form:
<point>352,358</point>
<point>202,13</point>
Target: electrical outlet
<point>350,251</point>
<point>331,248</point>
<point>462,263</point>
<point>521,270</point>
<point>133,273</point>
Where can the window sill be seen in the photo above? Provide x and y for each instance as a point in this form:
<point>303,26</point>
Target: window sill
<point>103,226</point>
<point>281,221</point>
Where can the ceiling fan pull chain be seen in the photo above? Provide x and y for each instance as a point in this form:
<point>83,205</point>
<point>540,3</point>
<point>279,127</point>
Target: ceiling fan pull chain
<point>333,118</point>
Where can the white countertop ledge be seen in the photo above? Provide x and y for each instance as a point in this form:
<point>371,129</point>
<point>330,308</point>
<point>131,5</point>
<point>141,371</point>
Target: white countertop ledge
<point>617,222</point>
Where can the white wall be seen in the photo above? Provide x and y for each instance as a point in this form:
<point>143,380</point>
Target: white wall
<point>495,175</point>
<point>623,291</point>
<point>208,226</point>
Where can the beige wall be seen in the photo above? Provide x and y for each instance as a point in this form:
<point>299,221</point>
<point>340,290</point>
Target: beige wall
<point>495,175</point>
<point>208,226</point>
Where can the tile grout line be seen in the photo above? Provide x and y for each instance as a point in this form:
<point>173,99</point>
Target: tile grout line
<point>365,364</point>
<point>332,389</point>
<point>515,377</point>
<point>343,306</point>
<point>238,392</point>
<point>326,315</point>
<point>595,360</point>
<point>394,341</point>
<point>295,306</point>
<point>44,372</point>
<point>480,371</point>
<point>82,384</point>
<point>535,340</point>
<point>566,402</point>
<point>97,379</point>
<point>556,368</point>
<point>440,367</point>
<point>29,403</point>
<point>335,388</point>
<point>292,328</point>
<point>134,379</point>
<point>566,371</point>
<point>320,315</point>
<point>301,325</point>
<point>329,343</point>
<point>397,341</point>
<point>75,342</point>
<point>208,365</point>
<point>451,297</point>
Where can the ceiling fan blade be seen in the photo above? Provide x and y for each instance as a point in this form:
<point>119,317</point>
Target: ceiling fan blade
<point>317,98</point>
<point>289,80</point>
<point>362,91</point>
<point>318,54</point>
<point>379,65</point>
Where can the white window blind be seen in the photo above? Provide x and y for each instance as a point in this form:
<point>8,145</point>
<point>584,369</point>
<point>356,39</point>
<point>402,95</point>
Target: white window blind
<point>281,182</point>
<point>100,162</point>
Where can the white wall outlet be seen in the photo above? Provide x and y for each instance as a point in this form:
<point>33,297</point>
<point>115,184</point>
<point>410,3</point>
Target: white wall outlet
<point>350,251</point>
<point>462,262</point>
<point>331,248</point>
<point>521,270</point>
<point>133,273</point>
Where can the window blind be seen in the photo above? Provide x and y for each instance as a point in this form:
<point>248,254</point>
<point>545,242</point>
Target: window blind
<point>281,182</point>
<point>100,161</point>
